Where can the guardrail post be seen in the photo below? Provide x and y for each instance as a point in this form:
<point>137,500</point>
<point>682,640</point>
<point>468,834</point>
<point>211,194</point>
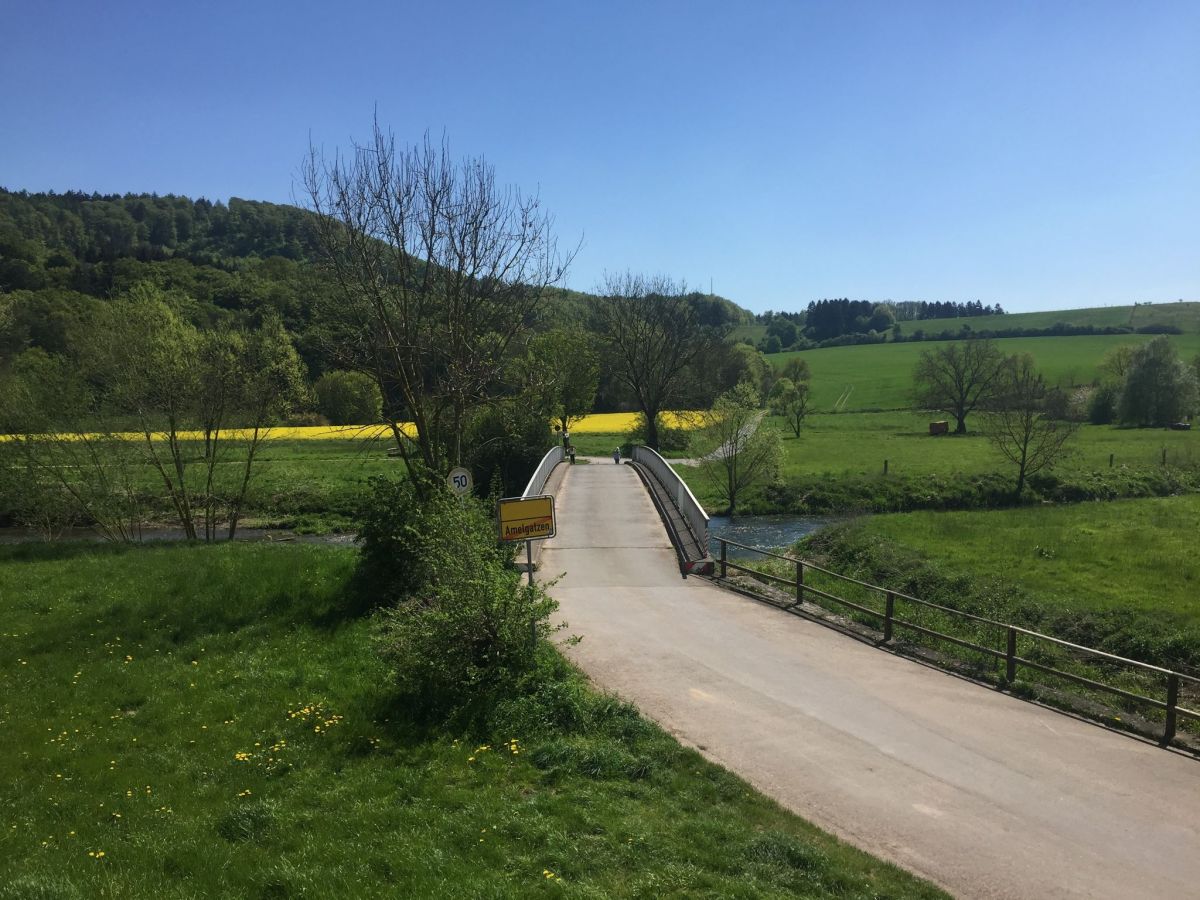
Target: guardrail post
<point>1010,656</point>
<point>799,581</point>
<point>724,550</point>
<point>1172,703</point>
<point>889,612</point>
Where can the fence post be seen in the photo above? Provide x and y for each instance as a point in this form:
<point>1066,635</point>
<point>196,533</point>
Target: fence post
<point>799,581</point>
<point>1111,456</point>
<point>1172,703</point>
<point>1010,656</point>
<point>889,612</point>
<point>1164,456</point>
<point>724,549</point>
<point>885,462</point>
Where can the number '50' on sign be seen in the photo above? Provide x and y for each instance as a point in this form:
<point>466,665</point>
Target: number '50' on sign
<point>459,480</point>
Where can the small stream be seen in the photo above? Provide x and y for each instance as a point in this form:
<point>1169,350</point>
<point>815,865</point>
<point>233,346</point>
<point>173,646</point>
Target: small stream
<point>159,534</point>
<point>767,532</point>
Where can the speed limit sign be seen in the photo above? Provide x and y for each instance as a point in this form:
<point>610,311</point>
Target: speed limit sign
<point>459,480</point>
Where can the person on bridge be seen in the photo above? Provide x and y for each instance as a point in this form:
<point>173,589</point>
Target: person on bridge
<point>617,456</point>
<point>566,436</point>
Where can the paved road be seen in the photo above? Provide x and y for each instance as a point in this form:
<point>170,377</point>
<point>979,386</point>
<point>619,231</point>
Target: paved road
<point>981,793</point>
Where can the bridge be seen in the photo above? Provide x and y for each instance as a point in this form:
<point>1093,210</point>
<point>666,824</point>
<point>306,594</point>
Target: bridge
<point>980,792</point>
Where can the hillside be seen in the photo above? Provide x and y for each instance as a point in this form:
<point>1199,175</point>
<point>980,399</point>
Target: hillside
<point>880,376</point>
<point>1144,318</point>
<point>1182,315</point>
<point>226,263</point>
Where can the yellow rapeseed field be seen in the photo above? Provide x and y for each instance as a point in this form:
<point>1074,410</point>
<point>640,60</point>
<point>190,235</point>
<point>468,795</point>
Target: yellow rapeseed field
<point>620,423</point>
<point>599,423</point>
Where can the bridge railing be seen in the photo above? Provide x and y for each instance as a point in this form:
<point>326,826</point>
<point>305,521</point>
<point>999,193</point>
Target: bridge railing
<point>681,495</point>
<point>1036,652</point>
<point>537,483</point>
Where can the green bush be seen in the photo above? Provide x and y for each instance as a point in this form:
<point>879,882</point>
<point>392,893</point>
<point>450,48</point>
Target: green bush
<point>348,398</point>
<point>457,626</point>
<point>1102,407</point>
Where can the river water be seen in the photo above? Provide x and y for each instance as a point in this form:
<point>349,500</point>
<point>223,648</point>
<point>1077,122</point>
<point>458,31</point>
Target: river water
<point>158,534</point>
<point>766,532</point>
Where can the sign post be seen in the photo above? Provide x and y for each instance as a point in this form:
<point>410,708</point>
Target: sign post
<point>527,519</point>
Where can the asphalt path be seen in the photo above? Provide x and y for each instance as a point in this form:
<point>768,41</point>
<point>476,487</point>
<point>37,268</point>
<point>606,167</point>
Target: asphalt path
<point>984,794</point>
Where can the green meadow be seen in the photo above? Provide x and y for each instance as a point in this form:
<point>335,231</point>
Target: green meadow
<point>879,376</point>
<point>859,443</point>
<point>1131,554</point>
<point>188,721</point>
<point>1184,316</point>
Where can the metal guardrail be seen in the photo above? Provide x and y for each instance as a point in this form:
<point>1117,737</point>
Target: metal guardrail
<point>537,483</point>
<point>681,495</point>
<point>1012,661</point>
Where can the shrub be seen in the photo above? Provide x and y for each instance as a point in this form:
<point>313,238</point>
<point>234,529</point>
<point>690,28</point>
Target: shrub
<point>348,398</point>
<point>457,626</point>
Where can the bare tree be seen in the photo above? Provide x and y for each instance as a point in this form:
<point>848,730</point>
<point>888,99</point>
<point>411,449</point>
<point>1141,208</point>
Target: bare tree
<point>653,336</point>
<point>740,453</point>
<point>438,270</point>
<point>1019,426</point>
<point>958,378</point>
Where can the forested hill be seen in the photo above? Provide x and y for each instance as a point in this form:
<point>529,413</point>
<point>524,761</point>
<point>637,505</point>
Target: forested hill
<point>64,229</point>
<point>223,262</point>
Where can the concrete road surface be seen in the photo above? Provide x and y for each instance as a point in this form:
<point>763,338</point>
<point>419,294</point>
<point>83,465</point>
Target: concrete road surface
<point>977,791</point>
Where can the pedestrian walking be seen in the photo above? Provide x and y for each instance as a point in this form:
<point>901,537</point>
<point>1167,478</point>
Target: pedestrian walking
<point>617,456</point>
<point>566,438</point>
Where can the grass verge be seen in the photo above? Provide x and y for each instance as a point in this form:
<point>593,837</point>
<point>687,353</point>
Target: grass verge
<point>184,721</point>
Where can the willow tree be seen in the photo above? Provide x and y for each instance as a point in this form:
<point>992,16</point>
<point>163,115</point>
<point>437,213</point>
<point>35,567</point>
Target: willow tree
<point>438,269</point>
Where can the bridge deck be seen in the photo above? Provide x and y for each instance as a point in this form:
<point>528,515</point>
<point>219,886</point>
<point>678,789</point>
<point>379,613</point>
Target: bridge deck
<point>982,793</point>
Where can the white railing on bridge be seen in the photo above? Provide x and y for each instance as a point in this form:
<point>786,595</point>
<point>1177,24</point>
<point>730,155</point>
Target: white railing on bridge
<point>537,484</point>
<point>681,495</point>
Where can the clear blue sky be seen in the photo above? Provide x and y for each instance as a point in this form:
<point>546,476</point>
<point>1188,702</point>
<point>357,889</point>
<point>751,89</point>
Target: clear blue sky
<point>1040,155</point>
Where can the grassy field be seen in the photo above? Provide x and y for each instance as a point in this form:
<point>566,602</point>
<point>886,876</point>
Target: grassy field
<point>879,376</point>
<point>1185,316</point>
<point>1128,555</point>
<point>860,442</point>
<point>192,721</point>
<point>835,448</point>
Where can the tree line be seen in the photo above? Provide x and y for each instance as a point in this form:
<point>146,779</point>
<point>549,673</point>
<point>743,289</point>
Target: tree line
<point>827,323</point>
<point>416,289</point>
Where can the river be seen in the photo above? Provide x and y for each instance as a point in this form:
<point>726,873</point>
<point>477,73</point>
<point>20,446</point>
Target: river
<point>762,531</point>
